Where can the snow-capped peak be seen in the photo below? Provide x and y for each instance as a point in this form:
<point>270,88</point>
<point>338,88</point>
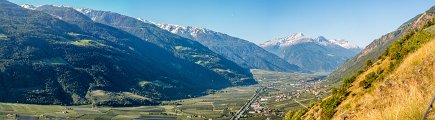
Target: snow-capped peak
<point>146,21</point>
<point>286,41</point>
<point>83,10</point>
<point>296,35</point>
<point>344,43</point>
<point>185,31</point>
<point>301,38</point>
<point>178,29</point>
<point>27,6</point>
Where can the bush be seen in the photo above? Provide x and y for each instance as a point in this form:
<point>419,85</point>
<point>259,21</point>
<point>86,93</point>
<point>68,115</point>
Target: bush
<point>347,82</point>
<point>295,115</point>
<point>368,64</point>
<point>328,106</point>
<point>369,79</point>
<point>429,23</point>
<point>408,43</point>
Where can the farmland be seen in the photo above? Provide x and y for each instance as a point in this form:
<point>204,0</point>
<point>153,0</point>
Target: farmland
<point>284,91</point>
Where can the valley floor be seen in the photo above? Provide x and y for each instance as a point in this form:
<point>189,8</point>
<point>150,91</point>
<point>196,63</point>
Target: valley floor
<point>284,91</point>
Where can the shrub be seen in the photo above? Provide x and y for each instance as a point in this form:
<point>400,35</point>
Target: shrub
<point>368,64</point>
<point>429,23</point>
<point>369,79</point>
<point>295,115</point>
<point>407,44</point>
<point>347,82</point>
<point>328,105</point>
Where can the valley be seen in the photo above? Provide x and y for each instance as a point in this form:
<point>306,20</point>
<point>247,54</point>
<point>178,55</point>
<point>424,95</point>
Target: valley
<point>68,60</point>
<point>282,92</point>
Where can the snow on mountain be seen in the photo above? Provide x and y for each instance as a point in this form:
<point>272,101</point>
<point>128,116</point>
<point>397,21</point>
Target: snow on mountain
<point>301,38</point>
<point>84,10</point>
<point>345,44</point>
<point>146,21</point>
<point>242,52</point>
<point>189,31</point>
<point>315,54</point>
<point>27,6</point>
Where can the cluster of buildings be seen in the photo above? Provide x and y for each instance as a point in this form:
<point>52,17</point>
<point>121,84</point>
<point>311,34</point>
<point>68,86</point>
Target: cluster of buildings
<point>196,116</point>
<point>260,107</point>
<point>279,92</point>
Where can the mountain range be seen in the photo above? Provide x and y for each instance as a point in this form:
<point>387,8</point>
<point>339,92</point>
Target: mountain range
<point>313,54</point>
<point>242,52</point>
<point>57,55</point>
<point>180,47</point>
<point>61,55</point>
<point>135,61</point>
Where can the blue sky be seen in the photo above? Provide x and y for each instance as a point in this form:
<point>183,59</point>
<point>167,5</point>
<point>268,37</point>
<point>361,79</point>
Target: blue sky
<point>358,21</point>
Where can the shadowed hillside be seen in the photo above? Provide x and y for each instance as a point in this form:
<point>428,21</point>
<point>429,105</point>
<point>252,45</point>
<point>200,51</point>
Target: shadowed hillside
<point>69,59</point>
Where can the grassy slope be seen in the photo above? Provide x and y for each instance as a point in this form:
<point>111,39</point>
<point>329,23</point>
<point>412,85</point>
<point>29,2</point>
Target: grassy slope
<point>378,46</point>
<point>404,94</point>
<point>402,86</point>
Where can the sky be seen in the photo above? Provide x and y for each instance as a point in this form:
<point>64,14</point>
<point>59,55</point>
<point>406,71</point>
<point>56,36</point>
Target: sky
<point>358,21</point>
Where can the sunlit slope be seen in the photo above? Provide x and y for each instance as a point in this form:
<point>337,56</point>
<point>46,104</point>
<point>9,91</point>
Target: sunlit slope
<point>378,46</point>
<point>398,85</point>
<point>404,94</point>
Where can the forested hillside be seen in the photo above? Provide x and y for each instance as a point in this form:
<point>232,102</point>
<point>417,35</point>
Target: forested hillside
<point>69,59</point>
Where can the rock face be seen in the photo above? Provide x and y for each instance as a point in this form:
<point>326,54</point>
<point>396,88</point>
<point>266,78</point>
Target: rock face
<point>313,54</point>
<point>242,52</point>
<point>56,55</point>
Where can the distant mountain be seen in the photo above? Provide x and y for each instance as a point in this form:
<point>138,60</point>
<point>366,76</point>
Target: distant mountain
<point>64,57</point>
<point>242,52</point>
<point>180,47</point>
<point>313,54</point>
<point>378,46</point>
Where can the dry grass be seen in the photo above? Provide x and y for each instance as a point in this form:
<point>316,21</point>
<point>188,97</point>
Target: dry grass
<point>403,95</point>
<point>343,109</point>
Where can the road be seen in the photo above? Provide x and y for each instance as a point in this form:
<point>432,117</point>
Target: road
<point>245,107</point>
<point>300,103</point>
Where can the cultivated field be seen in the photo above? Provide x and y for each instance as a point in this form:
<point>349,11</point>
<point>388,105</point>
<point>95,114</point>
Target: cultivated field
<point>220,104</point>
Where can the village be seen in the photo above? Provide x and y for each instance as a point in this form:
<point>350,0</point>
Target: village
<point>284,91</point>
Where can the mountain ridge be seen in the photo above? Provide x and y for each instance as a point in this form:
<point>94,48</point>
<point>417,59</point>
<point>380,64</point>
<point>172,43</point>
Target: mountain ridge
<point>397,85</point>
<point>181,47</point>
<point>314,54</point>
<point>57,55</point>
<point>243,52</point>
<point>300,37</point>
<point>378,46</point>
